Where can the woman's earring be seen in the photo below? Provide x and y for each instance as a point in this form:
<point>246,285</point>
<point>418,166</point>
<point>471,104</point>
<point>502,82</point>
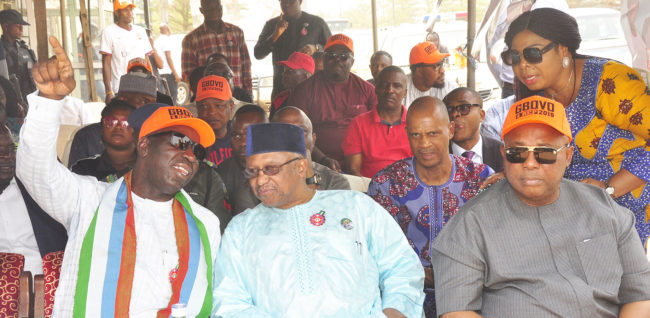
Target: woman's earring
<point>565,62</point>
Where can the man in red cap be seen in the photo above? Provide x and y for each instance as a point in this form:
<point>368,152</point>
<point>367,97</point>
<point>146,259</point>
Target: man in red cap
<point>427,76</point>
<point>110,268</point>
<point>214,105</point>
<point>333,97</point>
<point>121,42</point>
<point>297,69</point>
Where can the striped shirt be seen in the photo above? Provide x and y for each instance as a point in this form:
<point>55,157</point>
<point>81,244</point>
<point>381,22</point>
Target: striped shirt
<point>579,256</point>
<point>202,42</point>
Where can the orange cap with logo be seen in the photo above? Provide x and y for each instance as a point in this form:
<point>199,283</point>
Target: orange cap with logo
<point>537,110</point>
<point>139,62</point>
<point>174,118</point>
<point>340,39</point>
<point>117,5</point>
<point>426,53</point>
<point>213,86</point>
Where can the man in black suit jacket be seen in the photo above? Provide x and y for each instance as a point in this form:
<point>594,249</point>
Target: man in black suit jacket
<point>16,216</point>
<point>465,108</point>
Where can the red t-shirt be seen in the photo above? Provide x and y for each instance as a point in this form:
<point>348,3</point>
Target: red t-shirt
<point>331,107</point>
<point>378,143</point>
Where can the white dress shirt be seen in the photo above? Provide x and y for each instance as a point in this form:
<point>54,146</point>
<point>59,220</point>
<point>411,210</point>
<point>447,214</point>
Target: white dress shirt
<point>16,232</point>
<point>477,149</point>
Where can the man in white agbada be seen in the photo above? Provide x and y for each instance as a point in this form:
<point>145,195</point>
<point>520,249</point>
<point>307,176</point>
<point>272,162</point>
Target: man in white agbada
<point>105,273</point>
<point>308,253</point>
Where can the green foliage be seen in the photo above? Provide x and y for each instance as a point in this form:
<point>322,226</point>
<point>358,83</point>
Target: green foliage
<point>180,16</point>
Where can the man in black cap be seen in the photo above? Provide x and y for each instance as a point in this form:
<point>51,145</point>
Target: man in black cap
<point>20,58</point>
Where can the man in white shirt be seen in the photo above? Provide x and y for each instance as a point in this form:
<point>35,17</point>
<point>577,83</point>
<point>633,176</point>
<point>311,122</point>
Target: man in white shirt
<point>140,244</point>
<point>121,42</point>
<point>168,71</point>
<point>24,227</point>
<point>427,76</point>
<point>465,108</point>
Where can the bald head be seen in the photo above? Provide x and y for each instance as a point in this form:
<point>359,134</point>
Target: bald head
<point>427,106</point>
<point>295,116</point>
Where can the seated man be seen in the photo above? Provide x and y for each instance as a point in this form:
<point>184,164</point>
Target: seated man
<point>465,108</point>
<point>538,245</point>
<point>378,61</point>
<point>109,267</point>
<point>333,97</point>
<point>378,138</point>
<point>24,227</point>
<point>423,192</point>
<point>206,187</point>
<point>427,76</point>
<point>214,105</point>
<point>304,252</point>
<point>136,89</point>
<point>297,69</point>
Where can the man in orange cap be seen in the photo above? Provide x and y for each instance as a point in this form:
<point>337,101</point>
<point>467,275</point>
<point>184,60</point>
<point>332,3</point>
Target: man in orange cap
<point>332,98</point>
<point>121,42</point>
<point>134,244</point>
<point>214,105</point>
<point>536,244</point>
<point>427,76</point>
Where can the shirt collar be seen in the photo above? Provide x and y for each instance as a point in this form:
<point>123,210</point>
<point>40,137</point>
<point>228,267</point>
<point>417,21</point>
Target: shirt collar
<point>377,119</point>
<point>477,149</point>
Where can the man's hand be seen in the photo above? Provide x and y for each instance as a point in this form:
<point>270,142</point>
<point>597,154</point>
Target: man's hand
<point>308,49</point>
<point>280,27</point>
<point>595,182</point>
<point>393,313</point>
<point>491,180</point>
<point>332,164</point>
<point>108,98</point>
<point>428,277</point>
<point>54,77</point>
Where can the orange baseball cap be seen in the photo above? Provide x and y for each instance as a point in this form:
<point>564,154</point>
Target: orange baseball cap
<point>139,62</point>
<point>153,118</point>
<point>340,39</point>
<point>537,110</point>
<point>426,53</point>
<point>117,5</point>
<point>213,86</point>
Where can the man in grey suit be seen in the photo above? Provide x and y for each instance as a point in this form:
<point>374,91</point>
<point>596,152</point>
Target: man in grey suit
<point>465,108</point>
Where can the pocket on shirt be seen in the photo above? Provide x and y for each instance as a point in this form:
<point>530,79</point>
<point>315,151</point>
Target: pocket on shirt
<point>354,110</point>
<point>601,263</point>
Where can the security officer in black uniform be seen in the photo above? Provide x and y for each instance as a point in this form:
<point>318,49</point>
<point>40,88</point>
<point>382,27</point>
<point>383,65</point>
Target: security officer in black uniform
<point>20,58</point>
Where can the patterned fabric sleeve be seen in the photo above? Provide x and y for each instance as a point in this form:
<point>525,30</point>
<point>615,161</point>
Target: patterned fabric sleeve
<point>623,99</point>
<point>379,190</point>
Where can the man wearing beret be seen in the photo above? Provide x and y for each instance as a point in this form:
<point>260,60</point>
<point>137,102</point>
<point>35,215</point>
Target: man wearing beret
<point>20,58</point>
<point>135,246</point>
<point>307,253</point>
<point>538,245</point>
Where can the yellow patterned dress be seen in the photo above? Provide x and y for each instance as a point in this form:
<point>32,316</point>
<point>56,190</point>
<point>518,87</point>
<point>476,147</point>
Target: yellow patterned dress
<point>610,124</point>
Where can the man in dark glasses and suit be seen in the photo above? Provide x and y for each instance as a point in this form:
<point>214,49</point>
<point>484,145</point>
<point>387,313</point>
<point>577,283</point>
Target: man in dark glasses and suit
<point>538,245</point>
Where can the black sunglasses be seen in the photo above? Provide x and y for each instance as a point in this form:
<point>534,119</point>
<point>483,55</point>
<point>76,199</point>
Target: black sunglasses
<point>543,155</point>
<point>462,109</point>
<point>250,173</point>
<point>182,142</point>
<point>339,56</point>
<point>533,55</point>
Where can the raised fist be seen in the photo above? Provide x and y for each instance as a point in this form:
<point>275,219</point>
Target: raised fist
<point>54,77</point>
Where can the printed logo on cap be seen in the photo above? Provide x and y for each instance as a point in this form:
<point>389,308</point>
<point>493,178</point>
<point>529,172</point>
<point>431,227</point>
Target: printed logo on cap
<point>179,113</point>
<point>535,107</point>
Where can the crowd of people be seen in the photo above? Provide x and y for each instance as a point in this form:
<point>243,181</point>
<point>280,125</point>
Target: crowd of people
<point>537,208</point>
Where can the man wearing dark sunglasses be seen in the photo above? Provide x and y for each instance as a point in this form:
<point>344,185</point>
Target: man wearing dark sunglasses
<point>333,97</point>
<point>465,109</point>
<point>427,76</point>
<point>161,241</point>
<point>304,252</point>
<point>537,244</point>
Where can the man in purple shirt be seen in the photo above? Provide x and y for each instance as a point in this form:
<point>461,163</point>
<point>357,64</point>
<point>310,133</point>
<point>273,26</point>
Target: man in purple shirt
<point>333,97</point>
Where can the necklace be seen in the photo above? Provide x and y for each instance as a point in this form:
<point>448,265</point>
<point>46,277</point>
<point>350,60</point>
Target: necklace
<point>565,86</point>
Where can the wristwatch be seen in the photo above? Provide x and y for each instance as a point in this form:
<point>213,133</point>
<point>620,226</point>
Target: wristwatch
<point>315,179</point>
<point>609,189</point>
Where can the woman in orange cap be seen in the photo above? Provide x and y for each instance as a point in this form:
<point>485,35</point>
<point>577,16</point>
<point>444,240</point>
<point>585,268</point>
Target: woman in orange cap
<point>606,104</point>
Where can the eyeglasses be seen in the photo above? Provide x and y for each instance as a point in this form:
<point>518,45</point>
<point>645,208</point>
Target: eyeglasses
<point>250,173</point>
<point>436,67</point>
<point>532,55</point>
<point>182,142</point>
<point>543,155</point>
<point>462,109</point>
<point>339,56</point>
<point>112,122</point>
